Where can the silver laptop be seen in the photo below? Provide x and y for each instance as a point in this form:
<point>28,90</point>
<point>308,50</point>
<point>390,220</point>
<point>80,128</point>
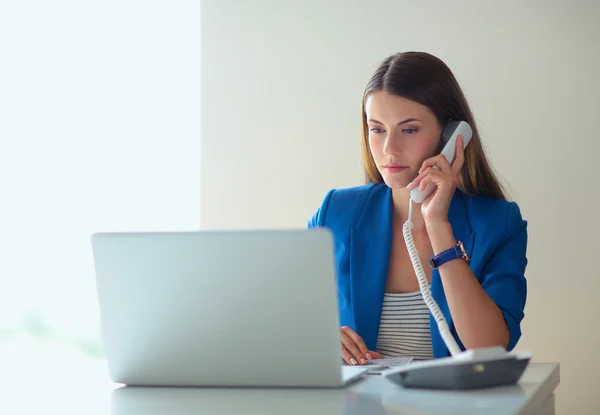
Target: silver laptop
<point>220,308</point>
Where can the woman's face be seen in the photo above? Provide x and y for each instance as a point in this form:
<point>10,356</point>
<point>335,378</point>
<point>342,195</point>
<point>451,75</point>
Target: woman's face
<point>402,134</point>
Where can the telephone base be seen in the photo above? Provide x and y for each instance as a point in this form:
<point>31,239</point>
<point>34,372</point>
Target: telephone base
<point>462,373</point>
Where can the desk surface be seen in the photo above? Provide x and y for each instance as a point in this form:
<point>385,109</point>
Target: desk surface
<point>373,395</point>
<point>69,386</point>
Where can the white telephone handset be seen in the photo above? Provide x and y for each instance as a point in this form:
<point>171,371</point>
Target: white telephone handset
<point>451,132</point>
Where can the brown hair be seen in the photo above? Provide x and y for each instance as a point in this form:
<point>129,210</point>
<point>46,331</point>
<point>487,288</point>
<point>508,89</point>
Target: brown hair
<point>425,79</point>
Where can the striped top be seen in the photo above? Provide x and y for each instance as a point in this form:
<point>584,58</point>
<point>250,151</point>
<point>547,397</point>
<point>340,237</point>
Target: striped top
<point>404,327</point>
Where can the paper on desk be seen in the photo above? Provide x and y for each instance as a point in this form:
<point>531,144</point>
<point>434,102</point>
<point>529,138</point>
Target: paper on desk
<point>380,365</point>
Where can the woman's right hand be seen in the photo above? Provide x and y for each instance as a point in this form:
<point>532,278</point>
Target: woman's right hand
<point>354,350</point>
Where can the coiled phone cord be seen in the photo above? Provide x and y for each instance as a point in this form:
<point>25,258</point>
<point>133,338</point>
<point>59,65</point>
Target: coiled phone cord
<point>424,286</point>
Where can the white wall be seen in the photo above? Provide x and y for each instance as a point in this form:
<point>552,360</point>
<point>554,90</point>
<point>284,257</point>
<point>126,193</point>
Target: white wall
<point>99,131</point>
<point>282,84</point>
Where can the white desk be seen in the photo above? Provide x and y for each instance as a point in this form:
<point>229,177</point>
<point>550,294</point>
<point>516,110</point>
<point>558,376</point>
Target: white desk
<point>371,396</point>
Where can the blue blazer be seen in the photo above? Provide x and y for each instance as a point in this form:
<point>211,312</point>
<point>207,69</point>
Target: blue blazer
<point>360,219</point>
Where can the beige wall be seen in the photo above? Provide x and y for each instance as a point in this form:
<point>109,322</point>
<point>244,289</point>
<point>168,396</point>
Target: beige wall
<point>281,87</point>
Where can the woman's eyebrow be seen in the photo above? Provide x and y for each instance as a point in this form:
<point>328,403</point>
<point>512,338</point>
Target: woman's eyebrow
<point>400,123</point>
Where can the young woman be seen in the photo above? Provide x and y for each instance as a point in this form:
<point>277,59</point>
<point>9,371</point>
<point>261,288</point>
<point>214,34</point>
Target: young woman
<point>406,105</point>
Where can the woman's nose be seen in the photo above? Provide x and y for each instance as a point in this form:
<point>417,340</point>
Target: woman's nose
<point>392,146</point>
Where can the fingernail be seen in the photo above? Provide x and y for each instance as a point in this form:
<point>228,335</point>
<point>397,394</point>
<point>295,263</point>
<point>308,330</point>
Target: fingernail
<point>353,361</point>
<point>408,187</point>
<point>363,362</point>
<point>368,356</point>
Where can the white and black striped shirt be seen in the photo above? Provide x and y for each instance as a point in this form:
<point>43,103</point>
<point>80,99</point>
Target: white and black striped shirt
<point>404,327</point>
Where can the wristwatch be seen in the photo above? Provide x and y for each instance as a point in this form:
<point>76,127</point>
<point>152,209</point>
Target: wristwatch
<point>456,252</point>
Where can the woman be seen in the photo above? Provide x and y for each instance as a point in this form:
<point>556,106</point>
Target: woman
<point>406,105</point>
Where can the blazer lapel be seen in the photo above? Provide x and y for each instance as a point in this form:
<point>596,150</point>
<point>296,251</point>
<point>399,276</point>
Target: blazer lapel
<point>370,247</point>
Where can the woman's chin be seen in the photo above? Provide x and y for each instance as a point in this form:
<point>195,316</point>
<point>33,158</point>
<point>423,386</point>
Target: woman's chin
<point>396,182</point>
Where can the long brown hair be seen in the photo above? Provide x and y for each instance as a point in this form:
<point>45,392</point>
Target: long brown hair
<point>425,79</point>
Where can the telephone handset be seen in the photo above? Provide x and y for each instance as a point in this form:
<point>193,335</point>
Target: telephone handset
<point>448,142</point>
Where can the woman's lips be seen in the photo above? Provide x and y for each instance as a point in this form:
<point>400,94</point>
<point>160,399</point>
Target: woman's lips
<point>394,168</point>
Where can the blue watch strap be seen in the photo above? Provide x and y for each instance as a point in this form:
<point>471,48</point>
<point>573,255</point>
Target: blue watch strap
<point>455,252</point>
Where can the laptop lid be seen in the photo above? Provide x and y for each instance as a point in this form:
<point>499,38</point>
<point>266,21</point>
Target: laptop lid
<point>219,308</point>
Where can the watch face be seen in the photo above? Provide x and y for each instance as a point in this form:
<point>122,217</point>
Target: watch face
<point>462,249</point>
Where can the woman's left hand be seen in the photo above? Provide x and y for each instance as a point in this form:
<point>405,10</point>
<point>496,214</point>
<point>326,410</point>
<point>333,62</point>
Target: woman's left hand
<point>445,178</point>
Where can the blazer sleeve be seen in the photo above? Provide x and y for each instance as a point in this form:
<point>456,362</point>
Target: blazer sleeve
<point>318,218</point>
<point>504,274</point>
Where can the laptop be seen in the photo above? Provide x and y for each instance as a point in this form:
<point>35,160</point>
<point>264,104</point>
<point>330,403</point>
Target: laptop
<point>250,308</point>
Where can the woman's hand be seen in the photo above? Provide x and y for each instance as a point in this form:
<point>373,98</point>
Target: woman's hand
<point>354,350</point>
<point>437,170</point>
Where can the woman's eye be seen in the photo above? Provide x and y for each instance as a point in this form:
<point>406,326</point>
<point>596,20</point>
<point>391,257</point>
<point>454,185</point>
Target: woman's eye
<point>409,130</point>
<point>376,130</point>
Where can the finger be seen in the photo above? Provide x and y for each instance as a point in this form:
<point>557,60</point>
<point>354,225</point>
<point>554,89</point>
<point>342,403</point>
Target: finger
<point>431,162</point>
<point>432,177</point>
<point>440,162</point>
<point>353,350</point>
<point>347,356</point>
<point>418,180</point>
<point>362,347</point>
<point>459,160</point>
<point>376,355</point>
<point>356,338</point>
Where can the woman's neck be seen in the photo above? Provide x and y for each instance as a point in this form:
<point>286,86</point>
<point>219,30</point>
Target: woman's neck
<point>400,202</point>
